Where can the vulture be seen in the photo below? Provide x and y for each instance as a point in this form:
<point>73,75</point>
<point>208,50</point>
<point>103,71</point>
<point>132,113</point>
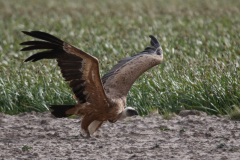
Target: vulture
<point>98,99</point>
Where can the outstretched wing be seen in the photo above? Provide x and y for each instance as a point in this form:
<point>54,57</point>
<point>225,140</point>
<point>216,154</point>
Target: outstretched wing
<point>120,78</point>
<point>77,66</point>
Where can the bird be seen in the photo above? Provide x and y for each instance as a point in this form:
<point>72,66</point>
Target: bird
<point>98,99</point>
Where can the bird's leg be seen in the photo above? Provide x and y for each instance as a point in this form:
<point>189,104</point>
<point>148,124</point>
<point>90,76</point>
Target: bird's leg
<point>86,121</point>
<point>88,135</point>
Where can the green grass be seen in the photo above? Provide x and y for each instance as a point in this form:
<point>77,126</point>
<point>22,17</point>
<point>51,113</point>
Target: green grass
<point>200,40</point>
<point>26,148</point>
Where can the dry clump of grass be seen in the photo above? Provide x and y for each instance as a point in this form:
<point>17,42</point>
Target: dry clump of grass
<point>168,115</point>
<point>235,113</point>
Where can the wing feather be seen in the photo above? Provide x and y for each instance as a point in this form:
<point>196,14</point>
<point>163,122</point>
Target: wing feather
<point>120,78</point>
<point>77,66</point>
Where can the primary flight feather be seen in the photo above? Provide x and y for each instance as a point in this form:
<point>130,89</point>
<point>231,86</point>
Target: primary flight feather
<point>99,100</point>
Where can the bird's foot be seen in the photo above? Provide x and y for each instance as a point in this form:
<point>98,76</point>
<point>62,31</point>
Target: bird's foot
<point>87,136</point>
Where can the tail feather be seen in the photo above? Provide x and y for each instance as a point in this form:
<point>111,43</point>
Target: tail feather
<point>60,111</point>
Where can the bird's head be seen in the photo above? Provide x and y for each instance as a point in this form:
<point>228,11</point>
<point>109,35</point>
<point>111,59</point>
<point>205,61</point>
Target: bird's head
<point>129,112</point>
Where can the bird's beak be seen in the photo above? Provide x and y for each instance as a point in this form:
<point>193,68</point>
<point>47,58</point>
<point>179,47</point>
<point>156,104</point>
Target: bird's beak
<point>135,113</point>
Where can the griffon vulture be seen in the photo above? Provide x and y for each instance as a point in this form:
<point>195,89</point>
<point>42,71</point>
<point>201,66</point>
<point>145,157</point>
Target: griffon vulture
<point>99,100</point>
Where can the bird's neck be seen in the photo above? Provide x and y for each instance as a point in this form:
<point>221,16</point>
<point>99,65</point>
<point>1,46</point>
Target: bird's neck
<point>122,115</point>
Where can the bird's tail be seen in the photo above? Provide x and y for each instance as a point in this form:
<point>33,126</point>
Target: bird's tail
<point>60,111</point>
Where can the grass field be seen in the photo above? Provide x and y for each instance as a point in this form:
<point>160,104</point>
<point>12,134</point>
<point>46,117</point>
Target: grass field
<point>200,40</point>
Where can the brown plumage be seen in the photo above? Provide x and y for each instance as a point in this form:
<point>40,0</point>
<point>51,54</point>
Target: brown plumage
<point>98,99</point>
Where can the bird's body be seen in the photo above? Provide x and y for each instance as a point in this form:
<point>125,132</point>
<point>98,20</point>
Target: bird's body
<point>99,100</point>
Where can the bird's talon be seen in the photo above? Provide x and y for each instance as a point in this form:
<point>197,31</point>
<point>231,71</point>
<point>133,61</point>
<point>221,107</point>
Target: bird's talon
<point>87,136</point>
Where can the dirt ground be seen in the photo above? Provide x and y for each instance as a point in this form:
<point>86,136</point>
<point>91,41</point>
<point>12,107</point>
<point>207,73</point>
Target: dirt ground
<point>40,136</point>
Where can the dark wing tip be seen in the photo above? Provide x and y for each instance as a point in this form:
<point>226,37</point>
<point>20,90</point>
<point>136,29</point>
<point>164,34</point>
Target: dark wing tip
<point>26,32</point>
<point>22,43</point>
<point>44,36</point>
<point>154,42</point>
<point>28,59</point>
<point>22,49</point>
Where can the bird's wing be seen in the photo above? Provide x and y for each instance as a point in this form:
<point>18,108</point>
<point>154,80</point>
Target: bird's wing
<point>120,78</point>
<point>77,66</point>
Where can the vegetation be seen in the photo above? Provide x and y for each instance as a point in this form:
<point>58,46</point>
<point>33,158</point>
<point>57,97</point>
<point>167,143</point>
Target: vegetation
<point>26,148</point>
<point>200,40</point>
<point>234,114</point>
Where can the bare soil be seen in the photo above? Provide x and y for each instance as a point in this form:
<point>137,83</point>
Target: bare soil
<point>41,136</point>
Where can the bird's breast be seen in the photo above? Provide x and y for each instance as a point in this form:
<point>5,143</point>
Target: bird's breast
<point>116,107</point>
